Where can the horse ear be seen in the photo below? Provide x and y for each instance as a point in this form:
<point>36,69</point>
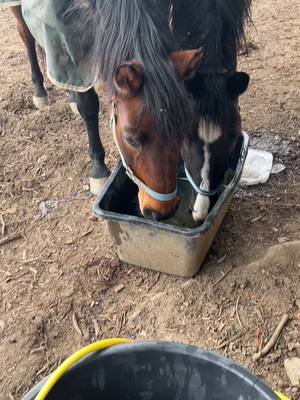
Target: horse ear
<point>129,78</point>
<point>237,83</point>
<point>187,62</point>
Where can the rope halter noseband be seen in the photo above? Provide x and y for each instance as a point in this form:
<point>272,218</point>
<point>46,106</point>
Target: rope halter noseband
<point>163,197</point>
<point>199,189</point>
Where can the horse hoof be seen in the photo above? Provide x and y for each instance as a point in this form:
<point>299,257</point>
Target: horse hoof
<point>96,184</point>
<point>40,102</point>
<point>74,108</point>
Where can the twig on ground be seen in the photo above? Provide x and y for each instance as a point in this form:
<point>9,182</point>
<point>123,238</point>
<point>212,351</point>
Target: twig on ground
<point>10,238</point>
<point>42,370</point>
<point>120,322</point>
<point>156,279</point>
<point>237,312</point>
<point>222,277</point>
<point>258,218</point>
<point>220,311</point>
<point>66,312</point>
<point>2,326</point>
<point>72,241</point>
<point>32,260</point>
<point>233,339</point>
<point>40,349</point>
<point>96,328</point>
<point>75,324</point>
<point>2,225</point>
<point>271,343</point>
<point>220,260</point>
<point>259,339</point>
<point>288,205</point>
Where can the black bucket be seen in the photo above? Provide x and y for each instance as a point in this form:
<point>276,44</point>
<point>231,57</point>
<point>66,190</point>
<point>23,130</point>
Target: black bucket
<point>157,371</point>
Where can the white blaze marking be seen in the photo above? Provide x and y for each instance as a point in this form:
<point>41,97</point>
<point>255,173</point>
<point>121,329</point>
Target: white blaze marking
<point>202,203</point>
<point>209,133</point>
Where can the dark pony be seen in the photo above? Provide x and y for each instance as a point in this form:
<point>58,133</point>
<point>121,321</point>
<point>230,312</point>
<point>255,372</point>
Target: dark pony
<point>218,26</point>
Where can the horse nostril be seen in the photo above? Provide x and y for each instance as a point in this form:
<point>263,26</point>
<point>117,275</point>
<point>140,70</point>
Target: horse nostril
<point>150,214</point>
<point>156,216</point>
<point>147,213</point>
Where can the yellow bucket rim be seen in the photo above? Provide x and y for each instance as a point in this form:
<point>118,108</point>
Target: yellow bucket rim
<point>82,353</point>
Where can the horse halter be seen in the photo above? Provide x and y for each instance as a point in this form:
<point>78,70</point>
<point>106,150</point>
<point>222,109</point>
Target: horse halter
<point>164,197</point>
<point>198,189</point>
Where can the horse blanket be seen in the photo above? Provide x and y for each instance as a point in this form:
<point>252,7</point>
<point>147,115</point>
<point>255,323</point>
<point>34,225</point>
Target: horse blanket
<point>67,45</point>
<point>9,3</point>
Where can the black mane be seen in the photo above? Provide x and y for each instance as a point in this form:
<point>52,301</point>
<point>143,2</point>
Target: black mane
<point>218,26</point>
<point>123,30</point>
<point>215,25</point>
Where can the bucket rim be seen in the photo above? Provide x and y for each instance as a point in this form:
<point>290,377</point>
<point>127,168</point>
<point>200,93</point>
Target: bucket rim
<point>177,349</point>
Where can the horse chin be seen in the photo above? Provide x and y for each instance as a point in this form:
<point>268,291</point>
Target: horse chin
<point>201,208</point>
<point>156,216</point>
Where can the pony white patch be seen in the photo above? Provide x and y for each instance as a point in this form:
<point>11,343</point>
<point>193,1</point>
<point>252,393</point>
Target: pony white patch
<point>202,203</point>
<point>208,131</point>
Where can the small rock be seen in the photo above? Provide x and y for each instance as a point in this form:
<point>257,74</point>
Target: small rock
<point>292,367</point>
<point>283,239</point>
<point>246,284</point>
<point>291,346</point>
<point>2,326</point>
<point>295,391</point>
<point>47,207</point>
<point>277,168</point>
<point>43,159</point>
<point>272,358</point>
<point>298,303</point>
<point>119,288</point>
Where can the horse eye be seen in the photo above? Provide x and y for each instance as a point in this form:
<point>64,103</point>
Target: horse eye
<point>132,141</point>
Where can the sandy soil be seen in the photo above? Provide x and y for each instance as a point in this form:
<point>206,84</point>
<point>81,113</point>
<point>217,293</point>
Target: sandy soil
<point>63,268</point>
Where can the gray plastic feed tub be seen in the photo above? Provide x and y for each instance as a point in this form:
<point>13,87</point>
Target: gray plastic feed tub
<point>156,371</point>
<point>175,246</point>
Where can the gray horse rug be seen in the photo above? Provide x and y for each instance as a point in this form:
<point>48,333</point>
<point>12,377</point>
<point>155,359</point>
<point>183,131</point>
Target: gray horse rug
<point>67,46</point>
<point>9,3</point>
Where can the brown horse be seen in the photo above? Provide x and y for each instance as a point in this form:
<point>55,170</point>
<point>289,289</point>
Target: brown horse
<point>133,49</point>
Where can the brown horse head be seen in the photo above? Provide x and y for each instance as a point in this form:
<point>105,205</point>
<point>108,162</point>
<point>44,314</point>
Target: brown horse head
<point>151,153</point>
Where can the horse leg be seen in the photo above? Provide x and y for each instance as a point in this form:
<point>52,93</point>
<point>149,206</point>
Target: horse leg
<point>88,107</point>
<point>40,99</point>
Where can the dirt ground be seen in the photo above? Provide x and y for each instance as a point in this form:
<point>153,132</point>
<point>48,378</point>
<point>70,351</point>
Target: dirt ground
<point>61,283</point>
